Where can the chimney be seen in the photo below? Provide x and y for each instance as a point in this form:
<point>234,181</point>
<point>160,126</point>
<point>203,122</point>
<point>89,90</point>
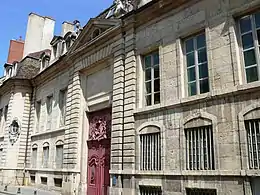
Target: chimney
<point>15,50</point>
<point>40,31</point>
<point>66,27</point>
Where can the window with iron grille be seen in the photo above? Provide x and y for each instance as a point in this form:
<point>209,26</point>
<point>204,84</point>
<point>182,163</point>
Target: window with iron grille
<point>49,111</point>
<point>150,157</point>
<point>190,191</point>
<point>150,190</point>
<point>250,36</point>
<point>199,148</point>
<point>253,140</point>
<point>197,65</point>
<point>152,79</point>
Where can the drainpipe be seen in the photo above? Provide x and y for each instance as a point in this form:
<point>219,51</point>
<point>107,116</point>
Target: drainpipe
<point>27,136</point>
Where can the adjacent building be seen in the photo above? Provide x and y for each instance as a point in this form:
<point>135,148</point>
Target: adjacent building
<point>149,98</point>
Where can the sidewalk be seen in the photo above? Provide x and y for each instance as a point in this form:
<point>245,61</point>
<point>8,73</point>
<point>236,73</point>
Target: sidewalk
<point>25,190</point>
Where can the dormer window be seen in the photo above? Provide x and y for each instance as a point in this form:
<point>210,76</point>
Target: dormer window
<point>56,46</point>
<point>45,59</point>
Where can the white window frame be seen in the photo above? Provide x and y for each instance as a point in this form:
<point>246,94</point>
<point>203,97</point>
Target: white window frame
<point>196,65</point>
<point>152,79</point>
<point>256,46</point>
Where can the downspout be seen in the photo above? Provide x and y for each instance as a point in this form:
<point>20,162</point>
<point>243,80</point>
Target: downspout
<point>27,136</point>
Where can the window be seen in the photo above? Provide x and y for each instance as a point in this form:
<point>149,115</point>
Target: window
<point>59,156</point>
<point>253,140</point>
<point>1,118</point>
<point>1,155</point>
<point>49,111</point>
<point>32,177</point>
<point>152,79</point>
<point>150,157</point>
<point>255,185</point>
<point>45,62</point>
<point>197,65</point>
<point>6,112</point>
<point>38,115</point>
<point>250,36</point>
<point>62,105</point>
<point>58,182</point>
<point>199,148</point>
<point>44,180</point>
<point>45,159</point>
<point>55,50</point>
<point>201,191</point>
<point>34,157</point>
<point>150,190</point>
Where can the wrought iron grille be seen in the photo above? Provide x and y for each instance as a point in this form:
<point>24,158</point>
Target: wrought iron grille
<point>196,191</point>
<point>253,140</point>
<point>150,190</point>
<point>199,148</point>
<point>150,151</point>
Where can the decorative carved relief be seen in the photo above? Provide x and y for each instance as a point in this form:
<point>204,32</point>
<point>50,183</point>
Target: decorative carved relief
<point>14,131</point>
<point>100,126</point>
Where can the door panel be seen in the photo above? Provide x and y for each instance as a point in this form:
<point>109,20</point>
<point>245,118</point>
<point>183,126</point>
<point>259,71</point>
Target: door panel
<point>99,152</point>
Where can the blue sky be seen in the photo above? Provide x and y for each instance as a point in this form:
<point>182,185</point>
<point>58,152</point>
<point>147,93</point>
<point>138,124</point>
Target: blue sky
<point>14,15</point>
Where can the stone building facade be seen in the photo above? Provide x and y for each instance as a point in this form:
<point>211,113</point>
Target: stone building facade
<point>149,97</point>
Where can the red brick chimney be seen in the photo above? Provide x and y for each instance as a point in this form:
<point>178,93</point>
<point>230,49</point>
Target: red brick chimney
<point>15,50</point>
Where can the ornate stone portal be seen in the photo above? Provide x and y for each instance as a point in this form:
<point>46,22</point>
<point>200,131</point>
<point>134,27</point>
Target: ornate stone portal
<point>14,131</point>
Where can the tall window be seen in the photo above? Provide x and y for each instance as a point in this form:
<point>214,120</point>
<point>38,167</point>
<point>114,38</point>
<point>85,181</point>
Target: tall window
<point>62,105</point>
<point>253,140</point>
<point>250,35</point>
<point>150,156</point>
<point>195,191</point>
<point>150,190</point>
<point>45,158</point>
<point>197,65</point>
<point>6,112</point>
<point>38,115</point>
<point>1,155</point>
<point>152,79</point>
<point>1,118</point>
<point>199,148</point>
<point>34,157</point>
<point>49,111</point>
<point>59,156</point>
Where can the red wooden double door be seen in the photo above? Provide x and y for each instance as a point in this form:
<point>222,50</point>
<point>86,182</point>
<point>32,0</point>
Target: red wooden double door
<point>99,152</point>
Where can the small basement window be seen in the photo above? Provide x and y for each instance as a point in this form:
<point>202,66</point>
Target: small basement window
<point>32,177</point>
<point>58,182</point>
<point>44,180</point>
